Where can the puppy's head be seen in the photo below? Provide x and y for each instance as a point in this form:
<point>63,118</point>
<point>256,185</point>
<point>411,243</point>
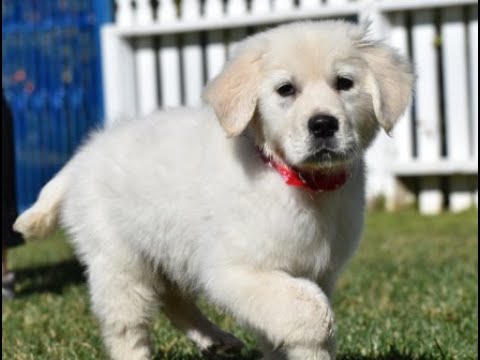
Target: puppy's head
<point>314,94</point>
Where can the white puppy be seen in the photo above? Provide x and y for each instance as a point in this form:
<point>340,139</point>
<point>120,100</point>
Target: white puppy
<point>259,221</point>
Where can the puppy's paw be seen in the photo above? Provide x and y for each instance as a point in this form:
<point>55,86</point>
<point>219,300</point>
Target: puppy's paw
<point>310,320</point>
<point>326,352</point>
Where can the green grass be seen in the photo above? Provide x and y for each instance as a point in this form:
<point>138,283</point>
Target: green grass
<point>410,293</point>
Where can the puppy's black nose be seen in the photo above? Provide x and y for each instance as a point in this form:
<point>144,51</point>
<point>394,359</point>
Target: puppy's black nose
<point>323,126</point>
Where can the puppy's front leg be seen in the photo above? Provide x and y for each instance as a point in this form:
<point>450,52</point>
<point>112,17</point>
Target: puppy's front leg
<point>294,314</point>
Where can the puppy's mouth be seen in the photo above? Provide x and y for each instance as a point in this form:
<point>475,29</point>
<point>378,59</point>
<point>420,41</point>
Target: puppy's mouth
<point>327,160</point>
<point>321,180</point>
<point>312,174</point>
<point>325,169</point>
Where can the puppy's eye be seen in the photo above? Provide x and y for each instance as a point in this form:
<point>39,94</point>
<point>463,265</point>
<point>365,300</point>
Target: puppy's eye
<point>343,83</point>
<point>286,90</point>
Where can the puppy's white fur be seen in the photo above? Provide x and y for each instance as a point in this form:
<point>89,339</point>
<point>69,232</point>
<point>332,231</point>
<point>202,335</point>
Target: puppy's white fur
<point>163,208</point>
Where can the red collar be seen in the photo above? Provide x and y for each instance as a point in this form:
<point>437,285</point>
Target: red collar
<point>316,181</point>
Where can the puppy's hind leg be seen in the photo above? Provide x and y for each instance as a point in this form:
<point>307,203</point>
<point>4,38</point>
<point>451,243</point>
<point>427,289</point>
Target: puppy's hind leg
<point>124,300</point>
<point>185,315</point>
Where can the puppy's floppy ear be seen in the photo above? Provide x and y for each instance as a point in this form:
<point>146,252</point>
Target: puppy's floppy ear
<point>233,94</point>
<point>389,82</point>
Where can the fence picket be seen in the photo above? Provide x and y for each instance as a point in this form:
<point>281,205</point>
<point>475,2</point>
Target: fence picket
<point>283,5</point>
<point>337,2</point>
<point>456,101</point>
<point>144,13</point>
<point>310,4</point>
<point>473,70</point>
<point>125,15</point>
<point>215,48</point>
<point>145,64</point>
<point>427,107</point>
<point>170,77</point>
<point>167,11</point>
<point>473,54</point>
<point>403,130</point>
<point>169,58</point>
<point>192,56</point>
<point>400,195</point>
<point>260,6</point>
<point>236,8</point>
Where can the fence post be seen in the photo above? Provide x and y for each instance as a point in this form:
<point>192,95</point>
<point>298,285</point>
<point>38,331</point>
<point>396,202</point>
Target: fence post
<point>118,76</point>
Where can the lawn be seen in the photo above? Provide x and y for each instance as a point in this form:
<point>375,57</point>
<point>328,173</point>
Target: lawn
<point>411,292</point>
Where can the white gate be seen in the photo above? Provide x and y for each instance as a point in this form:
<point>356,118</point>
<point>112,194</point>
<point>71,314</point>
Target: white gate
<point>157,56</point>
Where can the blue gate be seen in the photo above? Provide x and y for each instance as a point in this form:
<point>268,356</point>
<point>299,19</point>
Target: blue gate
<point>51,79</point>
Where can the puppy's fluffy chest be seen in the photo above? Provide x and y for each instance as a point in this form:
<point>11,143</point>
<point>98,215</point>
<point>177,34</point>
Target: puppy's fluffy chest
<point>303,233</point>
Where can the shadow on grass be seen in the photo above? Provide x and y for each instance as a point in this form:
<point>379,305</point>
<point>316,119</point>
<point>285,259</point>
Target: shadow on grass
<point>246,355</point>
<point>52,278</point>
<point>389,354</point>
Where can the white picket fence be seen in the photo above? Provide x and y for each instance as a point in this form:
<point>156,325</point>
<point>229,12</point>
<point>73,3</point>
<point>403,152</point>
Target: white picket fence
<point>157,56</point>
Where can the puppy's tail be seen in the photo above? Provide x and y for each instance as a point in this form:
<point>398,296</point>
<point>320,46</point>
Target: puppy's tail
<point>42,217</point>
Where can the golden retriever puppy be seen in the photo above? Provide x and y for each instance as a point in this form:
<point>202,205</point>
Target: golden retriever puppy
<point>255,201</point>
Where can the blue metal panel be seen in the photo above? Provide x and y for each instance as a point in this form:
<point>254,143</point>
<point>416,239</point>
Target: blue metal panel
<point>51,77</point>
